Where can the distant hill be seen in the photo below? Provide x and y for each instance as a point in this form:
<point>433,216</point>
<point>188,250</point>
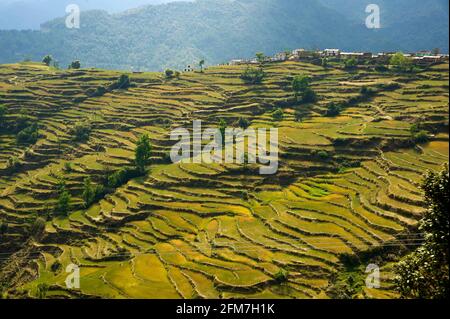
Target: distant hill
<point>180,33</point>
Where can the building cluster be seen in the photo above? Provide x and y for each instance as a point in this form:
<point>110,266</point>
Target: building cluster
<point>421,58</point>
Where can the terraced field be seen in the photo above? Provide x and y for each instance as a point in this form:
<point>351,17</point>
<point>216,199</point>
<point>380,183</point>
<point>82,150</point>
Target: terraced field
<point>214,230</point>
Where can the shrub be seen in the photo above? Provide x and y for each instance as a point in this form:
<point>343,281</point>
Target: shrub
<point>253,76</point>
<point>28,135</point>
<point>169,73</point>
<point>123,82</point>
<point>420,137</point>
<point>47,60</point>
<point>75,65</point>
<point>278,114</point>
<point>142,152</point>
<point>56,266</point>
<point>281,276</point>
<point>99,91</point>
<point>350,63</point>
<point>243,123</point>
<point>298,114</point>
<point>323,155</point>
<point>37,228</point>
<point>3,227</point>
<point>366,92</point>
<point>309,96</point>
<point>122,176</point>
<point>81,131</point>
<point>333,109</point>
<point>62,206</point>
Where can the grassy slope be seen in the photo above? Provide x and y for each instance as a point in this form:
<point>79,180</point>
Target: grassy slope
<point>186,230</point>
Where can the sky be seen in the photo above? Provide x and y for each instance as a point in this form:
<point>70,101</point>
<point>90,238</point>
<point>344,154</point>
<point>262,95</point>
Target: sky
<point>29,14</point>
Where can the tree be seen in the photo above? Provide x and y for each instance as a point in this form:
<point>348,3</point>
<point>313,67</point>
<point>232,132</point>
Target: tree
<point>47,60</point>
<point>28,135</point>
<point>169,73</point>
<point>278,114</point>
<point>400,62</point>
<point>75,65</point>
<point>299,84</point>
<point>298,114</point>
<point>260,57</point>
<point>243,123</point>
<point>324,62</point>
<point>309,96</point>
<point>253,76</point>
<point>2,115</point>
<point>37,228</point>
<point>222,129</point>
<point>425,272</point>
<point>88,192</point>
<point>201,64</point>
<point>42,290</point>
<point>3,227</point>
<point>62,206</point>
<point>142,152</point>
<point>350,63</point>
<point>333,109</point>
<point>81,131</point>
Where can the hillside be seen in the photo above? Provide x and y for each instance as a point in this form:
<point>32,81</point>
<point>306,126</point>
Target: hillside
<point>181,33</point>
<point>346,184</point>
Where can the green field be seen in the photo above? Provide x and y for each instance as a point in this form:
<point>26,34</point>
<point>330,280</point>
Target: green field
<point>214,230</point>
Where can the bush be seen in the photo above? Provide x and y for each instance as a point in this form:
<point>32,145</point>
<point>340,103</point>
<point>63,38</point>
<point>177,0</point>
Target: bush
<point>123,82</point>
<point>366,92</point>
<point>420,137</point>
<point>62,206</point>
<point>56,266</point>
<point>99,91</point>
<point>37,228</point>
<point>75,65</point>
<point>3,227</point>
<point>28,135</point>
<point>350,63</point>
<point>243,123</point>
<point>122,176</point>
<point>281,276</point>
<point>323,155</point>
<point>169,73</point>
<point>333,110</point>
<point>47,60</point>
<point>253,76</point>
<point>81,132</point>
<point>309,96</point>
<point>278,114</point>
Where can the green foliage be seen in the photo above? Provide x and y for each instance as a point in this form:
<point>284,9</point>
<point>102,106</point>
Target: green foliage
<point>28,135</point>
<point>322,155</point>
<point>333,109</point>
<point>75,65</point>
<point>300,83</point>
<point>142,152</point>
<point>64,198</point>
<point>400,62</point>
<point>253,75</point>
<point>3,227</point>
<point>99,91</point>
<point>37,228</point>
<point>350,63</point>
<point>91,193</point>
<point>13,163</point>
<point>2,114</point>
<point>418,136</point>
<point>81,131</point>
<point>47,60</point>
<point>169,73</point>
<point>424,273</point>
<point>243,123</point>
<point>122,176</point>
<point>298,114</point>
<point>281,276</point>
<point>278,115</point>
<point>301,88</point>
<point>123,82</point>
<point>42,290</point>
<point>222,129</point>
<point>366,92</point>
<point>260,57</point>
<point>56,266</point>
<point>201,64</point>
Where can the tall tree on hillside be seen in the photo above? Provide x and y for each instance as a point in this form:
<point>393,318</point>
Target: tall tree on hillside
<point>47,60</point>
<point>260,57</point>
<point>425,272</point>
<point>142,152</point>
<point>201,64</point>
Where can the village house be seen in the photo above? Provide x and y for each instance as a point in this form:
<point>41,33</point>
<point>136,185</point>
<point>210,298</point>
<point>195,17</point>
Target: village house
<point>360,56</point>
<point>331,53</point>
<point>280,57</point>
